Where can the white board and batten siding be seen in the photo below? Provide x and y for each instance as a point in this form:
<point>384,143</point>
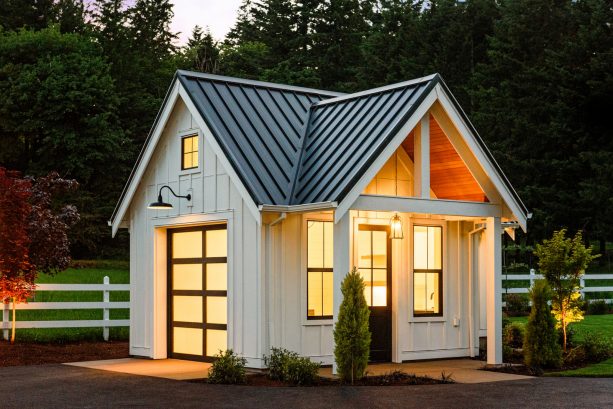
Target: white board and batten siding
<point>214,199</point>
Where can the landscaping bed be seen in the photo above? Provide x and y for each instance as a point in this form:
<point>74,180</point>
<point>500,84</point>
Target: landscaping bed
<point>26,353</point>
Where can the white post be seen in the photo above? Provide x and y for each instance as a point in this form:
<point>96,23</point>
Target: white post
<point>106,299</point>
<point>582,284</point>
<point>342,262</point>
<point>421,148</point>
<point>532,274</point>
<point>5,321</point>
<point>493,283</point>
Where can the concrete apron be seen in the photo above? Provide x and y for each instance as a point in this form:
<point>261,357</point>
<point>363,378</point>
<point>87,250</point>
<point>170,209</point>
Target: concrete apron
<point>461,370</point>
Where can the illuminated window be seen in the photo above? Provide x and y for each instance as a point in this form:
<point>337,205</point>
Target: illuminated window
<point>189,152</point>
<point>372,261</point>
<point>427,271</point>
<point>319,269</point>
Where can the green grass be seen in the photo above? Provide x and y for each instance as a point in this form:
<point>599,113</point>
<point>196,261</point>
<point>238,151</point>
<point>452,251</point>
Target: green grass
<point>602,369</point>
<point>89,275</point>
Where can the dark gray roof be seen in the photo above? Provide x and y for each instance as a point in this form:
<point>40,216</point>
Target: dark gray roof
<point>260,127</point>
<point>345,134</point>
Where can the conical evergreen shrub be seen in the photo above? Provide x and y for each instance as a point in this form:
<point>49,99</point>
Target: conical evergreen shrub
<point>351,333</point>
<point>541,348</point>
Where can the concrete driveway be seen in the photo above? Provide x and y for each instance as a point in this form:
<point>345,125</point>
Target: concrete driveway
<point>63,386</point>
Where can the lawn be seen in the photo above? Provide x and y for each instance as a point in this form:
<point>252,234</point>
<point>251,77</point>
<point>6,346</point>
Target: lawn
<point>597,324</point>
<point>118,274</point>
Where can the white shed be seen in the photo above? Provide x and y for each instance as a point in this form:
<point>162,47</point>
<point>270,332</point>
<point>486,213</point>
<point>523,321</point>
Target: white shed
<point>251,201</point>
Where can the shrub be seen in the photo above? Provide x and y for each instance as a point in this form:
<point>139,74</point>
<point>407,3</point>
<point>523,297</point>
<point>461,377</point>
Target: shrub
<point>302,371</point>
<point>277,363</point>
<point>228,368</point>
<point>517,304</point>
<point>541,348</point>
<point>513,335</point>
<point>351,333</point>
<point>596,347</point>
<point>597,307</point>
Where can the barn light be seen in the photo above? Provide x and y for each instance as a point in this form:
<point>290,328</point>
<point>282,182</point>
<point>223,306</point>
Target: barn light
<point>161,205</point>
<point>396,227</point>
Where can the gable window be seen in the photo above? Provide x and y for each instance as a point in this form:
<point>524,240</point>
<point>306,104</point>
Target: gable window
<point>319,269</point>
<point>189,152</point>
<point>427,271</point>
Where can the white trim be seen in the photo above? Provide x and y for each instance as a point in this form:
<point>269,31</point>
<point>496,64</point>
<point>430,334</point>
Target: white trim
<point>308,207</point>
<point>208,135</point>
<point>147,154</point>
<point>483,159</point>
<point>198,169</point>
<point>425,206</point>
<point>421,168</point>
<point>389,150</point>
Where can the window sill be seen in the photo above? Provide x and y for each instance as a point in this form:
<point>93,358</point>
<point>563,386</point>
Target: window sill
<point>185,172</point>
<point>427,319</point>
<point>317,322</point>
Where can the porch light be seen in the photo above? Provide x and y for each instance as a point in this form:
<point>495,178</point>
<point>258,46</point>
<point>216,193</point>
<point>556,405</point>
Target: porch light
<point>161,205</point>
<point>396,227</point>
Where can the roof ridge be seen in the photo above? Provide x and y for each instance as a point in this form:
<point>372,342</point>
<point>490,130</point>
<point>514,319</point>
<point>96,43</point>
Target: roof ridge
<point>347,97</point>
<point>256,83</point>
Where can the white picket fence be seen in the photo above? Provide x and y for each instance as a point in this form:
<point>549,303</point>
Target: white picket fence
<point>106,305</point>
<point>533,276</point>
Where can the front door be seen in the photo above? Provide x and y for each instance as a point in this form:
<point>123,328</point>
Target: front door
<point>197,292</point>
<point>373,259</point>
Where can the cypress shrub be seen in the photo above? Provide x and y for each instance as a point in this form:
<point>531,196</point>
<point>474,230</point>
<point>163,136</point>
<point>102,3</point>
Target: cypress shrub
<point>351,333</point>
<point>541,348</point>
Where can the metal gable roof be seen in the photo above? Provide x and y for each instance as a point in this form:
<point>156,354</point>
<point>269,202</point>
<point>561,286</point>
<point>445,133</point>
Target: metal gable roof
<point>346,133</point>
<point>260,127</point>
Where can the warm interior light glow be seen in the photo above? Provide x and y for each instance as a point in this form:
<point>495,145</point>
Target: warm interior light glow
<point>187,277</point>
<point>372,264</point>
<point>187,340</point>
<point>216,340</point>
<point>396,227</point>
<point>187,244</point>
<point>217,243</point>
<point>187,308</point>
<point>217,277</point>
<point>216,310</point>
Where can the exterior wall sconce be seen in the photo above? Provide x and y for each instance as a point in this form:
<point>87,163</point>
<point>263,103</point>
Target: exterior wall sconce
<point>161,205</point>
<point>396,227</point>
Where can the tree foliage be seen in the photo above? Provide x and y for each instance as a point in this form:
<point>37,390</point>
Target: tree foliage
<point>563,261</point>
<point>351,333</point>
<point>541,348</point>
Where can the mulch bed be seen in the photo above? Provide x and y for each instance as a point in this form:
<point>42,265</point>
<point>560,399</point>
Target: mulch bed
<point>37,354</point>
<point>392,379</point>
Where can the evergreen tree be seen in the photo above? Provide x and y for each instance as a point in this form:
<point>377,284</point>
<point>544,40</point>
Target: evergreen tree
<point>351,333</point>
<point>31,14</point>
<point>541,348</point>
<point>202,52</point>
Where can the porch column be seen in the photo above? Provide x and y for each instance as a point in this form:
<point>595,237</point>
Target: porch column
<point>342,263</point>
<point>493,285</point>
<point>421,149</point>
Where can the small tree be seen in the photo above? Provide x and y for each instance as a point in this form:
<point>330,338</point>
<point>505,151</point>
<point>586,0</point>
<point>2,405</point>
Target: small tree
<point>541,348</point>
<point>562,261</point>
<point>351,334</point>
<point>33,233</point>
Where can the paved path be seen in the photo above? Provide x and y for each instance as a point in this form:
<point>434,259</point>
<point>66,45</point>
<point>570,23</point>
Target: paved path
<point>62,386</point>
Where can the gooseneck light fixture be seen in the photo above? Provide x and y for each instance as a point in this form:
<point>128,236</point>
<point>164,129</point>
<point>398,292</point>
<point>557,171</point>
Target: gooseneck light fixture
<point>161,205</point>
<point>396,227</point>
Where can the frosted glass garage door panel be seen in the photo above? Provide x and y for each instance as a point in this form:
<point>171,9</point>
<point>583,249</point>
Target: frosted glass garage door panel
<point>187,244</point>
<point>187,341</point>
<point>216,340</point>
<point>187,277</point>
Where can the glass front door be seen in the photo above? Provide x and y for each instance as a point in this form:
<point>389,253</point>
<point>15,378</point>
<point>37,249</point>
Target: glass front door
<point>373,261</point>
<point>198,292</point>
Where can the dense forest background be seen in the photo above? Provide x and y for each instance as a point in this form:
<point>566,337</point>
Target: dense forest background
<point>81,83</point>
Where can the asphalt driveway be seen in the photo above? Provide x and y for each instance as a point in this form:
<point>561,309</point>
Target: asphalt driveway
<point>62,386</point>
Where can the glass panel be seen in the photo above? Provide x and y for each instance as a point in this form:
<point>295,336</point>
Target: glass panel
<point>328,292</point>
<point>217,276</point>
<point>367,277</point>
<point>364,249</point>
<point>187,341</point>
<point>315,294</point>
<point>216,340</point>
<point>379,248</point>
<point>187,244</point>
<point>216,243</point>
<point>379,288</point>
<point>187,277</point>
<point>187,308</point>
<point>434,247</point>
<point>216,310</point>
<point>420,247</point>
<point>328,244</point>
<point>315,244</point>
<point>419,292</point>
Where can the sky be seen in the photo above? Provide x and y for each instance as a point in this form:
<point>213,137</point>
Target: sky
<point>218,15</point>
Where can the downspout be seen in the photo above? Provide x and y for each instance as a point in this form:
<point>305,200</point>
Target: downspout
<point>269,299</point>
<point>471,313</point>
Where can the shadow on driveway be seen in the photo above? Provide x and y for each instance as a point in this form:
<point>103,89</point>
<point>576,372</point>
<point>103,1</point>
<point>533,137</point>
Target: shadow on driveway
<point>61,386</point>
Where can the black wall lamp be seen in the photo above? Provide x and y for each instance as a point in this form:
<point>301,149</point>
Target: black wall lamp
<point>161,205</point>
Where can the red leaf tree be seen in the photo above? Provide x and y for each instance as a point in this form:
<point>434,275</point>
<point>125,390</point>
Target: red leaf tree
<point>33,232</point>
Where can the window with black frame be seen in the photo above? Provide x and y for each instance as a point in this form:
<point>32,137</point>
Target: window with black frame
<point>319,269</point>
<point>427,271</point>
